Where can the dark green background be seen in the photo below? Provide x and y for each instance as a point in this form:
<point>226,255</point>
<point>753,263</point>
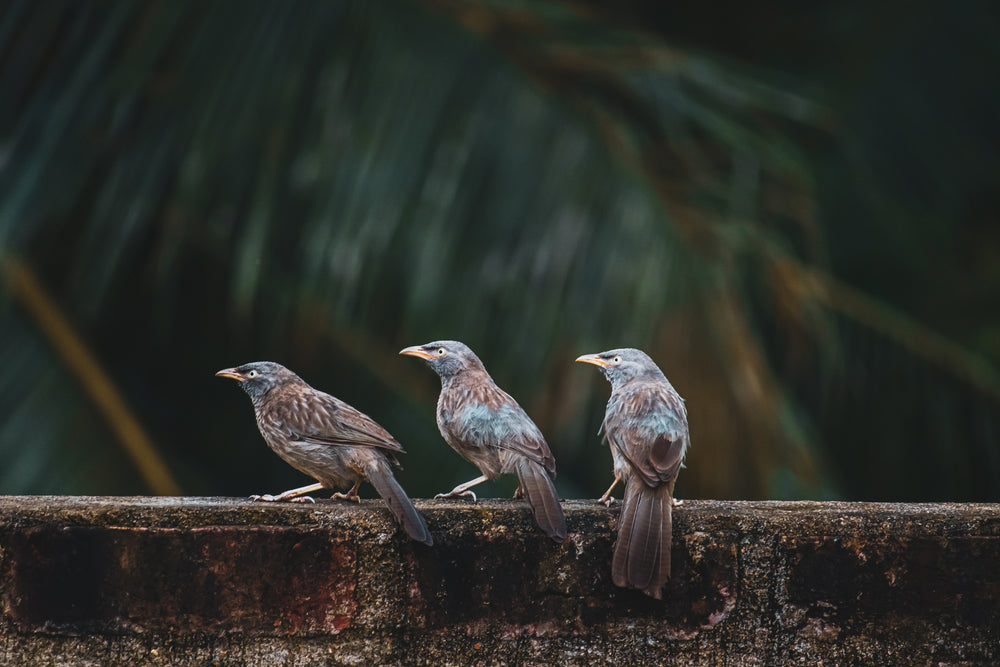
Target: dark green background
<point>793,207</point>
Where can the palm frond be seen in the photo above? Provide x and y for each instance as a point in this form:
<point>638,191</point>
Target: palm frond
<point>324,183</point>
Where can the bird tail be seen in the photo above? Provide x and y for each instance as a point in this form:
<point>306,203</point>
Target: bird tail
<point>541,493</point>
<point>645,531</point>
<point>380,476</point>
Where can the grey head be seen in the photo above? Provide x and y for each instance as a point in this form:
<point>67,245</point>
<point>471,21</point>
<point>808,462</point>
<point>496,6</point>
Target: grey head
<point>624,364</point>
<point>448,358</point>
<point>258,378</point>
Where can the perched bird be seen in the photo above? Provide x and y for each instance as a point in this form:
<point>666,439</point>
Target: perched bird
<point>326,439</point>
<point>490,430</point>
<point>645,425</point>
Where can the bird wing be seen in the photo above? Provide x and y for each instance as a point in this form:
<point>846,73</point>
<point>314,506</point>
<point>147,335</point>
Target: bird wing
<point>649,427</point>
<point>320,418</point>
<point>491,415</point>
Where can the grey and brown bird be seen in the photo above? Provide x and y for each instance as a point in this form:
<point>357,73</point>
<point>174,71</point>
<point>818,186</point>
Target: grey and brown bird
<point>490,430</point>
<point>326,439</point>
<point>645,426</point>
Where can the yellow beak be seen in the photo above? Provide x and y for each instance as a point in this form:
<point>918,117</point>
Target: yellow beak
<point>593,359</point>
<point>231,373</point>
<point>417,351</point>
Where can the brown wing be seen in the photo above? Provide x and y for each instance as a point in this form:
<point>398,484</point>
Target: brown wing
<point>527,438</point>
<point>319,418</point>
<point>649,427</point>
<point>487,415</point>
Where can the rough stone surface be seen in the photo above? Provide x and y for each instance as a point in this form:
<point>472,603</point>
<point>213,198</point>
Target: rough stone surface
<point>158,581</point>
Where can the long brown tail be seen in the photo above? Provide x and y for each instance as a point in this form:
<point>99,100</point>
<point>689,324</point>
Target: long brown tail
<point>541,494</point>
<point>380,476</point>
<point>642,551</point>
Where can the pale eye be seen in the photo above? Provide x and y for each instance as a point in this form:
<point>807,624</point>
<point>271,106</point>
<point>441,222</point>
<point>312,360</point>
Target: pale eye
<point>441,351</point>
<point>252,374</point>
<point>617,359</point>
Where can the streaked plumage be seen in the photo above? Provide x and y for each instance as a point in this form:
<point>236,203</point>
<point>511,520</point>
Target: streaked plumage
<point>490,430</point>
<point>645,426</point>
<point>326,439</point>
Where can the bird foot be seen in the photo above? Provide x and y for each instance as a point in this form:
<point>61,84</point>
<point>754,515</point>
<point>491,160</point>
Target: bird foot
<point>268,498</point>
<point>607,501</point>
<point>519,493</point>
<point>677,503</point>
<point>353,497</point>
<point>458,494</point>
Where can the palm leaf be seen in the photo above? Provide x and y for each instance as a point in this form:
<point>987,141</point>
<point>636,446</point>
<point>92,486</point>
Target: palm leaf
<point>323,183</point>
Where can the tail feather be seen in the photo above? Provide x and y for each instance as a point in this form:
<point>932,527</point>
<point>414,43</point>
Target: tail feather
<point>642,552</point>
<point>542,497</point>
<point>381,477</point>
<point>644,542</point>
<point>626,522</point>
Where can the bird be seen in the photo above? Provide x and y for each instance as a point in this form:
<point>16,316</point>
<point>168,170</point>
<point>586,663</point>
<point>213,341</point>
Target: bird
<point>488,428</point>
<point>645,425</point>
<point>327,439</point>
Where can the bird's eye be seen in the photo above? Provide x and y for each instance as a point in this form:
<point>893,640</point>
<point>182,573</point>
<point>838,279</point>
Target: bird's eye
<point>441,351</point>
<point>617,359</point>
<point>252,374</point>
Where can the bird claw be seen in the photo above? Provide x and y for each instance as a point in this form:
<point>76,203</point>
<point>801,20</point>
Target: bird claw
<point>607,501</point>
<point>677,503</point>
<point>268,498</point>
<point>458,494</point>
<point>353,497</point>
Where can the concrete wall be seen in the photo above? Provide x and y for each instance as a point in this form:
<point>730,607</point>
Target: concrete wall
<point>97,581</point>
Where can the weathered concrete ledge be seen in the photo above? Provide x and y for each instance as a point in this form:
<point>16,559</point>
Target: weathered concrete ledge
<point>102,581</point>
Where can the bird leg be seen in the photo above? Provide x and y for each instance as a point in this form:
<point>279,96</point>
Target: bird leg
<point>462,490</point>
<point>607,499</point>
<point>519,493</point>
<point>294,495</point>
<point>351,495</point>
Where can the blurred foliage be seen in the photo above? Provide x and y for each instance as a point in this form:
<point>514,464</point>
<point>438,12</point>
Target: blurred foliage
<point>802,232</point>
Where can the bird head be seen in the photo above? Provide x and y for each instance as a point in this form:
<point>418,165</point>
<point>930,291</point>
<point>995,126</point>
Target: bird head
<point>447,358</point>
<point>259,377</point>
<point>621,365</point>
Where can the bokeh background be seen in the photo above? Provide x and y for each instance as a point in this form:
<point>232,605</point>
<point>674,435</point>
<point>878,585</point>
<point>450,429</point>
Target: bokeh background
<point>793,207</point>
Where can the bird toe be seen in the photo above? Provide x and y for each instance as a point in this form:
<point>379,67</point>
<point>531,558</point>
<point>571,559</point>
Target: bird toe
<point>460,494</point>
